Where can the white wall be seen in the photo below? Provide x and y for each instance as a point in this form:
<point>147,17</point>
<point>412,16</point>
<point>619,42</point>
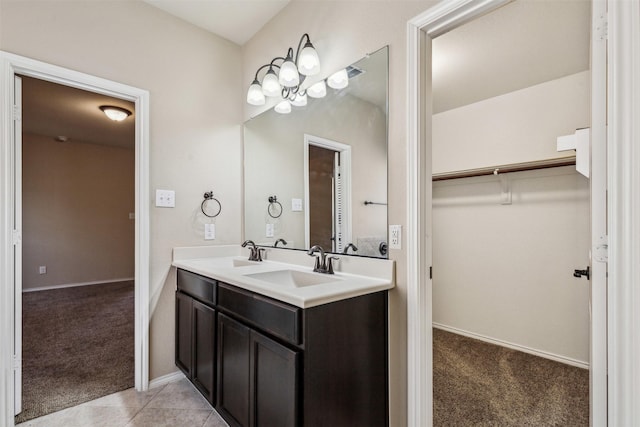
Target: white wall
<point>195,117</point>
<point>517,127</point>
<point>504,272</point>
<point>76,200</point>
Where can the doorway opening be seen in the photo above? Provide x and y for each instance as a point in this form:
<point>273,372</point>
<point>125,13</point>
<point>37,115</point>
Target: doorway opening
<point>327,174</point>
<point>11,204</point>
<point>422,31</point>
<point>78,245</point>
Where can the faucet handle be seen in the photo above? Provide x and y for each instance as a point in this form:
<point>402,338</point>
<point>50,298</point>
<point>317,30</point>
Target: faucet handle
<point>260,251</point>
<point>330,264</point>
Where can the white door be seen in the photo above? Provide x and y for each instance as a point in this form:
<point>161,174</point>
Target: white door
<point>338,206</point>
<point>17,245</point>
<point>598,304</point>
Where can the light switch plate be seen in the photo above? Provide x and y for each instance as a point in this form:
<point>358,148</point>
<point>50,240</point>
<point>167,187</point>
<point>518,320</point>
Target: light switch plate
<point>269,230</point>
<point>42,269</point>
<point>395,237</point>
<point>296,205</point>
<point>209,231</point>
<point>165,198</point>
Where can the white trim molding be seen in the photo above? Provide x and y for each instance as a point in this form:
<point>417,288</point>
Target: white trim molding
<point>624,212</point>
<point>10,65</point>
<point>75,285</point>
<point>166,379</point>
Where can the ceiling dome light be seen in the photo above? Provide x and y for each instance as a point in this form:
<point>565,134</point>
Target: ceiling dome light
<point>117,114</point>
<point>254,94</point>
<point>308,62</point>
<point>339,79</point>
<point>318,90</point>
<point>283,107</point>
<point>288,76</point>
<point>270,85</point>
<point>299,100</point>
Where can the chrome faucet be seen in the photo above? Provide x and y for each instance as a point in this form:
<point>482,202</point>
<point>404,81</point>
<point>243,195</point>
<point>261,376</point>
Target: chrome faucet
<point>350,245</point>
<point>284,242</point>
<point>323,263</point>
<point>255,253</point>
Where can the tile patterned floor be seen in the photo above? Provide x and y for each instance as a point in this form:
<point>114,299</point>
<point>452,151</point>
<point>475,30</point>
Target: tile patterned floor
<point>176,404</point>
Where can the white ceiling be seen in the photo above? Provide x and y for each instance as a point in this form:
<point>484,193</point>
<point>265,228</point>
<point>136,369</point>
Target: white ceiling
<point>235,20</point>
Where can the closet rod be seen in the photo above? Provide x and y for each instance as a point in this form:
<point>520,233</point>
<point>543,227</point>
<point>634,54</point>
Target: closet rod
<point>514,167</point>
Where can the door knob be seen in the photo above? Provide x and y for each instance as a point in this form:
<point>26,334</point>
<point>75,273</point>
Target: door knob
<point>580,273</point>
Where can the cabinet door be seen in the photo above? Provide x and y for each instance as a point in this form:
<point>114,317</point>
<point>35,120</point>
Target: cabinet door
<point>233,371</point>
<point>184,330</point>
<point>204,330</point>
<point>274,383</point>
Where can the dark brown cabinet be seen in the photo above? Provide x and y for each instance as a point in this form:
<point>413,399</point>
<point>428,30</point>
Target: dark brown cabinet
<point>274,364</point>
<point>196,333</point>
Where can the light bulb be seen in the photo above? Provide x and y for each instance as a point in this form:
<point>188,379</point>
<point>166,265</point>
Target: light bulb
<point>339,79</point>
<point>308,61</point>
<point>283,107</point>
<point>299,100</point>
<point>288,76</point>
<point>270,85</point>
<point>117,114</point>
<point>318,90</point>
<point>254,94</point>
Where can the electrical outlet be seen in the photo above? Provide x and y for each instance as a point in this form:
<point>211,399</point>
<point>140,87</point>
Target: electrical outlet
<point>395,237</point>
<point>209,232</point>
<point>165,198</point>
<point>269,230</point>
<point>42,269</point>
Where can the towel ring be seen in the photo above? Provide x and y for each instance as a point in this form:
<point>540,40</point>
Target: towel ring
<point>208,196</point>
<point>274,204</point>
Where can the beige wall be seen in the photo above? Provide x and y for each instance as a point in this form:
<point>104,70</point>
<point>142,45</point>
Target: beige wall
<point>195,116</point>
<point>342,32</point>
<point>504,271</point>
<point>76,200</point>
<point>519,126</point>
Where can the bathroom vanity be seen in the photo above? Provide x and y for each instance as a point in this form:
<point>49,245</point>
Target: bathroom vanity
<point>274,344</point>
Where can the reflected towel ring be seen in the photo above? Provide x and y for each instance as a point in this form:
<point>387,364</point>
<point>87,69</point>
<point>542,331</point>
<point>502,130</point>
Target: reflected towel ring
<point>208,196</point>
<point>276,206</point>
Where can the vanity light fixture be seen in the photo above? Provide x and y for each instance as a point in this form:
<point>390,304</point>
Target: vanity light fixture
<point>117,114</point>
<point>299,100</point>
<point>283,107</point>
<point>339,79</point>
<point>318,90</point>
<point>291,74</point>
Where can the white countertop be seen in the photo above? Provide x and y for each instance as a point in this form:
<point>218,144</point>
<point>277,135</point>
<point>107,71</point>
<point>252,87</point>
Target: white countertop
<point>217,262</point>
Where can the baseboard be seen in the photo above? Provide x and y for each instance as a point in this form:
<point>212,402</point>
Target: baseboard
<point>73,285</point>
<point>166,379</point>
<point>524,349</point>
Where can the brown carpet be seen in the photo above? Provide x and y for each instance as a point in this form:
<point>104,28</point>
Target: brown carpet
<point>77,346</point>
<point>481,384</point>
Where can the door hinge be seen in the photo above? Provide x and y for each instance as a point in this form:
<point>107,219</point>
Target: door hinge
<point>602,28</point>
<point>17,363</point>
<point>431,272</point>
<point>16,237</point>
<point>601,250</point>
<point>16,113</point>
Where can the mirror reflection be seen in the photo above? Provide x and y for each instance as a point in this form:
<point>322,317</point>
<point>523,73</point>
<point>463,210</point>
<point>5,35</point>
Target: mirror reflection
<point>318,175</point>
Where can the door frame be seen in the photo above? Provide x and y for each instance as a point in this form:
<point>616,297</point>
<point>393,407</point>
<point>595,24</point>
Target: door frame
<point>345,159</point>
<point>10,65</point>
<point>623,301</point>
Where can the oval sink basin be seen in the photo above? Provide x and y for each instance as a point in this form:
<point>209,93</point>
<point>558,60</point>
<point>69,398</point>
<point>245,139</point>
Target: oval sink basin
<point>294,278</point>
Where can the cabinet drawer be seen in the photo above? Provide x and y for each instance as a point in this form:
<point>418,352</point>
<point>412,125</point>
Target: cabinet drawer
<point>274,317</point>
<point>199,287</point>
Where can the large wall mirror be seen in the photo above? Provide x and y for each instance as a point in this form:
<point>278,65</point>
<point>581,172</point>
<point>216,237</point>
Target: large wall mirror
<point>318,175</point>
